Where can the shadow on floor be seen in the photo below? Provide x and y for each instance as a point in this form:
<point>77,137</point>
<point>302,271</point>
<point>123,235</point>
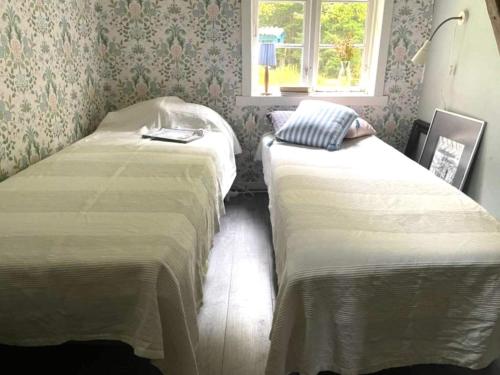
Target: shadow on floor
<point>493,369</point>
<point>93,358</point>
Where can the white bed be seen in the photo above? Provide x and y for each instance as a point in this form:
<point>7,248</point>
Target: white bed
<point>380,264</point>
<point>108,239</point>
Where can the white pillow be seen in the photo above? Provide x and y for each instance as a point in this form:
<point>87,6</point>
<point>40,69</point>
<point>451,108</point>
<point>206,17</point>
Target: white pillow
<point>168,112</point>
<point>148,114</point>
<point>196,116</point>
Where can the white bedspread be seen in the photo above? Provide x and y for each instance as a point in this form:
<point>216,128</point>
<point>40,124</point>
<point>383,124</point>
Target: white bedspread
<point>108,239</point>
<point>380,264</point>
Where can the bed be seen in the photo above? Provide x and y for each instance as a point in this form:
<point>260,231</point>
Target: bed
<point>108,239</point>
<point>379,263</point>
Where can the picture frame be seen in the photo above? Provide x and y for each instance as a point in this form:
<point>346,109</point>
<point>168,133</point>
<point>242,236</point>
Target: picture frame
<point>451,146</point>
<point>418,134</point>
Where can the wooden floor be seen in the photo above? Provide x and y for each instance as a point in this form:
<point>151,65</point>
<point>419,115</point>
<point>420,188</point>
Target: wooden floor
<point>239,295</point>
<point>234,322</point>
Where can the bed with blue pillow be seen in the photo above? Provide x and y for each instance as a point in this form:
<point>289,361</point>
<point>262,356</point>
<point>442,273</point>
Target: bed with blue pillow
<point>380,263</point>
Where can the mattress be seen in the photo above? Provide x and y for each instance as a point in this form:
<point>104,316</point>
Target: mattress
<point>108,239</point>
<point>380,264</point>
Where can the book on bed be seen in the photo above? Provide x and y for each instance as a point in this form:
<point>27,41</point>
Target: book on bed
<point>174,135</point>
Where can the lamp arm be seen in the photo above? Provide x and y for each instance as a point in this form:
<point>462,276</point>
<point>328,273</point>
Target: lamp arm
<point>442,24</point>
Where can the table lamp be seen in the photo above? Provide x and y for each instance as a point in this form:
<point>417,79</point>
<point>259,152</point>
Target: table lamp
<point>267,58</point>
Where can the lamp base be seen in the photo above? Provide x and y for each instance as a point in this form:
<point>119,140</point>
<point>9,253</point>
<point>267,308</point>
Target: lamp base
<point>266,82</point>
<point>266,94</point>
<point>465,16</point>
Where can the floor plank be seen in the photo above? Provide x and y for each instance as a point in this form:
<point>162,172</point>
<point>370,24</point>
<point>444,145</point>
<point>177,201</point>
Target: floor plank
<point>250,302</point>
<point>213,314</point>
<point>241,308</point>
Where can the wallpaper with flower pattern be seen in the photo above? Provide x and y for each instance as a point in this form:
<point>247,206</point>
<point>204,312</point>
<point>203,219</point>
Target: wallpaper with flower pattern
<point>50,88</point>
<point>112,53</point>
<point>192,49</point>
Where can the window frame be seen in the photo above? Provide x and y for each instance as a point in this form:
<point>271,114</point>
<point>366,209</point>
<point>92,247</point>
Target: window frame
<point>376,45</point>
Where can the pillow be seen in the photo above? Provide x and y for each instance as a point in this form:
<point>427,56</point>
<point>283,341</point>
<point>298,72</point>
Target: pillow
<point>317,123</point>
<point>359,127</point>
<point>279,118</point>
<point>168,112</point>
<point>196,116</point>
<point>148,114</point>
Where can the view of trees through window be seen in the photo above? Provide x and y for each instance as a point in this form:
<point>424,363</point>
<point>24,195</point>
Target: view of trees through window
<point>341,42</point>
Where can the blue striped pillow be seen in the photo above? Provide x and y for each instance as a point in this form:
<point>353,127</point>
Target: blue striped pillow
<point>317,123</point>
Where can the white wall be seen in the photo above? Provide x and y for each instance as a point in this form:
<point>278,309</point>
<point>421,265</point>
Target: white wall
<point>474,90</point>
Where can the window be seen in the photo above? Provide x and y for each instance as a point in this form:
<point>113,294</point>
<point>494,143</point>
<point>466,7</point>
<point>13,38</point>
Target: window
<point>282,23</point>
<point>333,46</point>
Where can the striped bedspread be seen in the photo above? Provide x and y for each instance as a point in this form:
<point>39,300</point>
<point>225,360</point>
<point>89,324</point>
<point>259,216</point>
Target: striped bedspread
<point>108,239</point>
<point>380,264</point>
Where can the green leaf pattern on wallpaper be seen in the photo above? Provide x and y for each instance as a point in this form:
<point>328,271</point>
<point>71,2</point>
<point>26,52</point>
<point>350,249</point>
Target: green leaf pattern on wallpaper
<point>125,51</point>
<point>50,94</point>
<point>192,49</point>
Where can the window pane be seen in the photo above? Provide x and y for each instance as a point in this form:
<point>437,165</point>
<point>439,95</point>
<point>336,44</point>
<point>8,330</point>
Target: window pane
<point>281,22</point>
<point>342,44</point>
<point>332,77</point>
<point>341,21</point>
<point>288,69</point>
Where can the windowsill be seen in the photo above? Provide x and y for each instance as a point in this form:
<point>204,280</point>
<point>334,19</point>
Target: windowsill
<point>344,98</point>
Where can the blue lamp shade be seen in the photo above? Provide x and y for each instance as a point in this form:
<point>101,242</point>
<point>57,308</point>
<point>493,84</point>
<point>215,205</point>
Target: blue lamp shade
<point>267,55</point>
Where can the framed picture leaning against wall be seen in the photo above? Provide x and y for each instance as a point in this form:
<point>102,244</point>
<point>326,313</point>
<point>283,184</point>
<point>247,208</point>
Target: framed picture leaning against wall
<point>451,145</point>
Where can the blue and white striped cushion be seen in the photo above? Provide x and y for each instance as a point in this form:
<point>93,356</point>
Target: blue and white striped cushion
<point>317,123</point>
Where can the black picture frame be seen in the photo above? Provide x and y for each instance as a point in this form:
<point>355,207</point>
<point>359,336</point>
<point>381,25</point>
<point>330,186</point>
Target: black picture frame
<point>451,146</point>
<point>417,139</point>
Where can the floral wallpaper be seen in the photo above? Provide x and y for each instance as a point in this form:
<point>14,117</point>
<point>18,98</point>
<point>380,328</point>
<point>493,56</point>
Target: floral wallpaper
<point>113,53</point>
<point>50,89</point>
<point>192,49</point>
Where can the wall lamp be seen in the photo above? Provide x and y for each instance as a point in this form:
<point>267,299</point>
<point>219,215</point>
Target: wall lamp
<point>421,56</point>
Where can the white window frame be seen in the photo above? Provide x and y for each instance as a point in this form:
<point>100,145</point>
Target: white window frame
<point>378,29</point>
